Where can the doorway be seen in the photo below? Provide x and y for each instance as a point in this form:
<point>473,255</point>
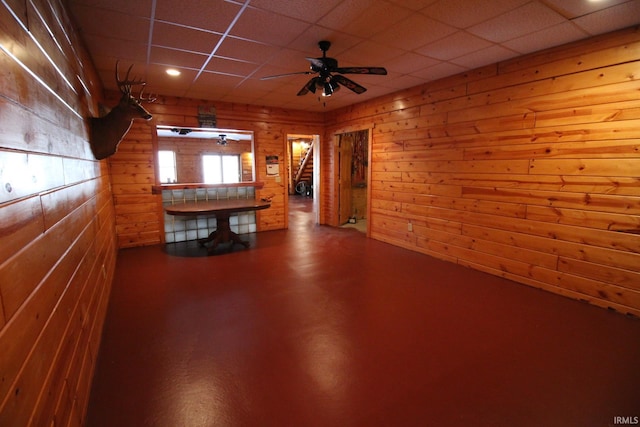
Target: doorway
<point>303,171</point>
<point>353,179</point>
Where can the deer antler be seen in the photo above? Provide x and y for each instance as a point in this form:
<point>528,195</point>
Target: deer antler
<point>125,85</point>
<point>149,98</point>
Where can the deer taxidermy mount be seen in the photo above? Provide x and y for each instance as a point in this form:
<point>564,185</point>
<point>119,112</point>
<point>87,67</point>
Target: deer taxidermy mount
<point>107,131</point>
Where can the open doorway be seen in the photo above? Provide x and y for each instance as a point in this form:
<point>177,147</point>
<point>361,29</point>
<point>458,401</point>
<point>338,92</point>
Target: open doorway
<point>353,188</point>
<point>303,167</point>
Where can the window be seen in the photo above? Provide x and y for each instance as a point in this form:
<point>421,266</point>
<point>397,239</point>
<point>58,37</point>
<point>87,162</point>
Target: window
<point>218,168</point>
<point>167,166</point>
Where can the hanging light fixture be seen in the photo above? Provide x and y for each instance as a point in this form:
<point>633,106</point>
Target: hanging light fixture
<point>329,87</point>
<point>222,139</point>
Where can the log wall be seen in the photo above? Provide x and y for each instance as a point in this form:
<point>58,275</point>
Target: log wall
<point>528,169</point>
<point>139,212</point>
<point>57,236</point>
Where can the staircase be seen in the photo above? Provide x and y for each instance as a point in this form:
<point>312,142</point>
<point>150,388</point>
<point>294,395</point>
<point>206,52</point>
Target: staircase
<point>304,173</point>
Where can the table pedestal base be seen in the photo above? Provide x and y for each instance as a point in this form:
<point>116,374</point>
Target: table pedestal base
<point>222,234</point>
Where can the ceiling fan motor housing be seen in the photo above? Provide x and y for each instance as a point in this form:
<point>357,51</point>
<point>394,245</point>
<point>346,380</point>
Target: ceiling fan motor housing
<point>324,45</point>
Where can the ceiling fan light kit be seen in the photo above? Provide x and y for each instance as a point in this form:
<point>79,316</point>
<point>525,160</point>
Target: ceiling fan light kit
<point>330,87</point>
<point>330,76</point>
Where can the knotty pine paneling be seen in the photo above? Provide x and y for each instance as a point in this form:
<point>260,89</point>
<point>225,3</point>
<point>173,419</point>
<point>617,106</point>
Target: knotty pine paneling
<point>139,219</point>
<point>57,234</point>
<point>527,169</point>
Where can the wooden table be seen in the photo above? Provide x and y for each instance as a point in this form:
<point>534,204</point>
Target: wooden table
<point>222,210</point>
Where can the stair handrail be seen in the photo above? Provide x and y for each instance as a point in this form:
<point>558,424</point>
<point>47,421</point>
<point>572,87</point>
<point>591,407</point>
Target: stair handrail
<point>303,165</point>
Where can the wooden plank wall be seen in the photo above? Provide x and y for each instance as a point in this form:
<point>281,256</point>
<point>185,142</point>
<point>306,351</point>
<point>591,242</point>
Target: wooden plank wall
<point>139,213</point>
<point>527,169</point>
<point>57,236</point>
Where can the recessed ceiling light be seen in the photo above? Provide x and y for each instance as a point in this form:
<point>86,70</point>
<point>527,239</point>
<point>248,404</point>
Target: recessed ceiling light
<point>173,72</point>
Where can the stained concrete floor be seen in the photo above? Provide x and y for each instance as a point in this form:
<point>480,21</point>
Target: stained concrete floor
<point>320,326</point>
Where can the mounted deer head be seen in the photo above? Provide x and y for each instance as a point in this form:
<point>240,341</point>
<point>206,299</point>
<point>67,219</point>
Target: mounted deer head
<point>106,132</point>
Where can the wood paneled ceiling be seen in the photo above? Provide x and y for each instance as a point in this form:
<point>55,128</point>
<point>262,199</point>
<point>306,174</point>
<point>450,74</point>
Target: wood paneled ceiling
<point>223,48</point>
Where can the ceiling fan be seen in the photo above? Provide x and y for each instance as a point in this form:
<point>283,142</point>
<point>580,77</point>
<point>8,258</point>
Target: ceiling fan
<point>181,131</point>
<point>330,78</point>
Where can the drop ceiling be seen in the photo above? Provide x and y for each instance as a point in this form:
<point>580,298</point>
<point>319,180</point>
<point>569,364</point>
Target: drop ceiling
<point>224,48</point>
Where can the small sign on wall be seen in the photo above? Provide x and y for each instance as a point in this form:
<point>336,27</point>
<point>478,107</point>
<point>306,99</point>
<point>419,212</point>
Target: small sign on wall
<point>273,167</point>
<point>207,116</point>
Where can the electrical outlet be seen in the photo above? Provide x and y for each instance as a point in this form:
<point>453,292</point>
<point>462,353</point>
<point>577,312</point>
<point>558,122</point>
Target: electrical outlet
<point>409,226</point>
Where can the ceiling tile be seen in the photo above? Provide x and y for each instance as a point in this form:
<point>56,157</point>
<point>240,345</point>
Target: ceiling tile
<point>286,56</point>
<point>116,49</point>
<point>361,17</point>
<point>369,81</point>
<point>135,8</point>
<point>414,4</point>
<point>523,20</point>
<point>242,95</point>
<point>206,14</point>
<point>272,29</point>
<point>484,57</point>
<point>621,16</point>
<point>246,50</point>
<point>454,45</point>
<point>368,54</point>
<point>439,71</point>
<point>184,38</point>
<point>574,8</point>
<point>305,10</point>
<point>553,36</point>
<point>230,66</point>
<point>413,32</point>
<point>212,83</point>
<point>283,62</point>
<point>374,89</point>
<point>176,58</point>
<point>465,13</point>
<point>114,25</point>
<point>307,42</point>
<point>402,82</point>
<point>409,62</point>
<point>157,77</point>
<point>255,84</point>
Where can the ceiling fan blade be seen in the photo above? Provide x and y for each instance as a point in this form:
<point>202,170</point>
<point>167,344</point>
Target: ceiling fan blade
<point>318,63</point>
<point>350,84</point>
<point>380,71</point>
<point>286,75</point>
<point>310,86</point>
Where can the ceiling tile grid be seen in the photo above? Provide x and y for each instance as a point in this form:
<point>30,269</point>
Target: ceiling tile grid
<point>225,47</point>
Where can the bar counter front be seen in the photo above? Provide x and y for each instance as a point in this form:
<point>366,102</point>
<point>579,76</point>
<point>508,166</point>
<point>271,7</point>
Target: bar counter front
<point>191,210</point>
